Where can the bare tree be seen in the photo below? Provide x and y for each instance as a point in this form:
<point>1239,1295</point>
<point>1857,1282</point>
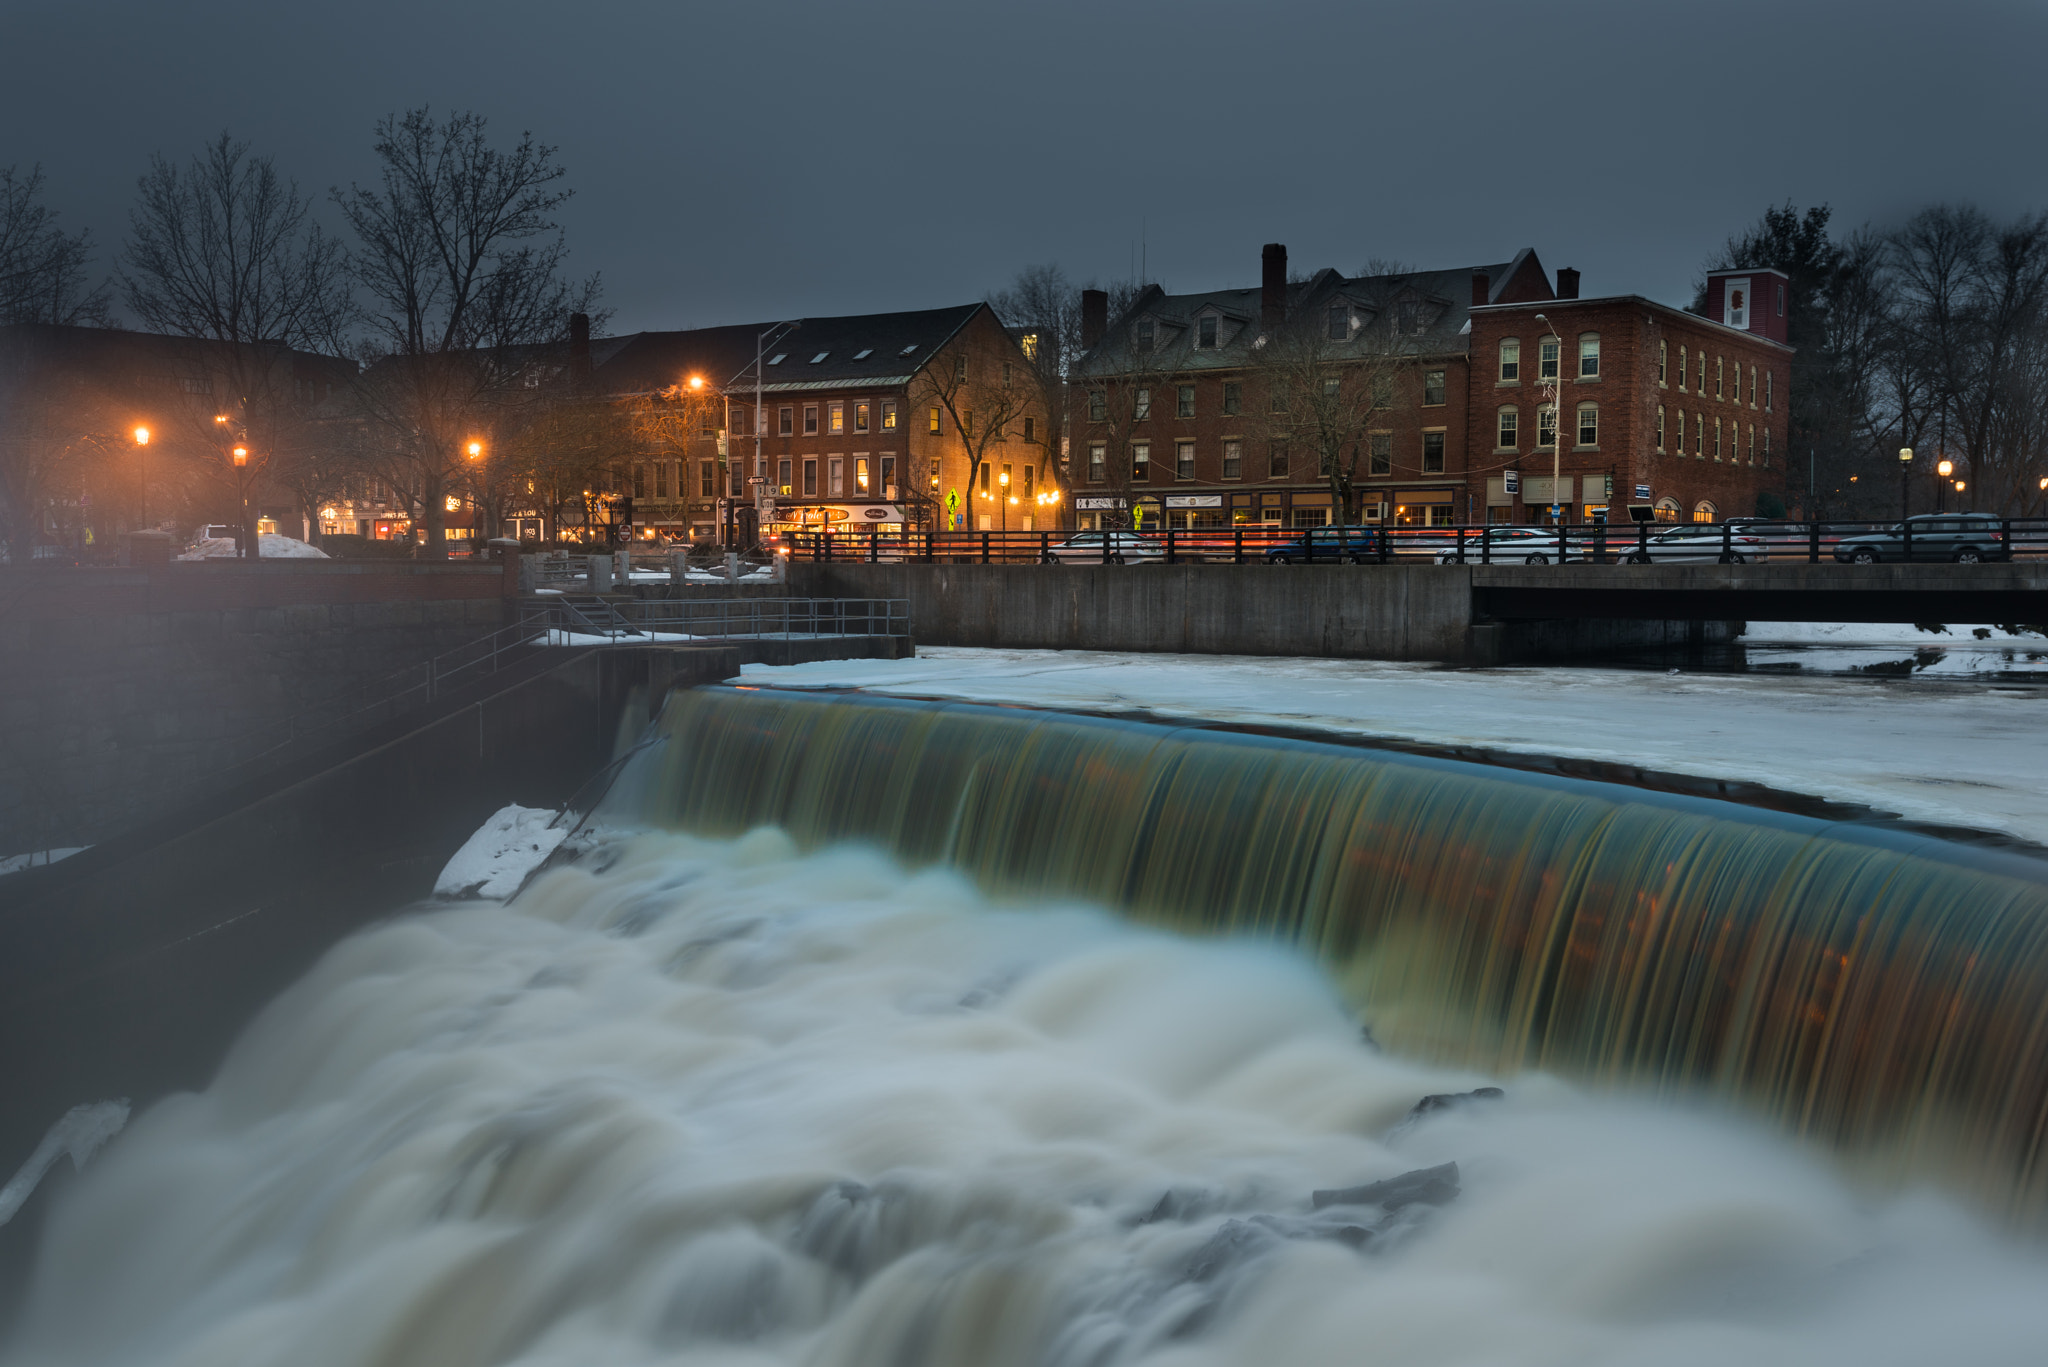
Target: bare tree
<point>1044,307</point>
<point>1132,379</point>
<point>224,252</point>
<point>986,394</point>
<point>458,256</point>
<point>42,267</point>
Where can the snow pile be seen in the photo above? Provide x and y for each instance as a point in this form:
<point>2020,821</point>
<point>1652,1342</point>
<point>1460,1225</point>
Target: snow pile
<point>495,861</point>
<point>79,1133</point>
<point>1885,634</point>
<point>270,546</point>
<point>15,863</point>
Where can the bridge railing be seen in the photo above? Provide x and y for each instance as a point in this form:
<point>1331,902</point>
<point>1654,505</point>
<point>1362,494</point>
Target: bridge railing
<point>1936,537</point>
<point>724,618</point>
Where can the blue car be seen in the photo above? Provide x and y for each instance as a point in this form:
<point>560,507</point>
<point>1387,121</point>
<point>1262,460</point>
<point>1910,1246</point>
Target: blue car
<point>1328,546</point>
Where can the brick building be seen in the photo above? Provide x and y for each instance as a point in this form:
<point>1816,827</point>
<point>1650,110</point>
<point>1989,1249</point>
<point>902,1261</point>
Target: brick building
<point>1174,415</point>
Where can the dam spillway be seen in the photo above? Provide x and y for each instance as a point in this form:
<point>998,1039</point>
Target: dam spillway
<point>1879,991</point>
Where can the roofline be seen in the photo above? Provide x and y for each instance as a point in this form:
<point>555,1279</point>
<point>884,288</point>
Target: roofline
<point>1538,305</point>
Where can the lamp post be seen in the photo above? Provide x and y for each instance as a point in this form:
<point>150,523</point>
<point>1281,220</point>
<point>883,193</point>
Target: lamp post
<point>240,457</point>
<point>1555,392</point>
<point>1944,469</point>
<point>1960,486</point>
<point>1004,497</point>
<point>1905,485</point>
<point>142,462</point>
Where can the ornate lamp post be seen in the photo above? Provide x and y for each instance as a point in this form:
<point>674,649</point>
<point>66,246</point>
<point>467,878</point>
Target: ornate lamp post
<point>1905,476</point>
<point>240,457</point>
<point>142,480</point>
<point>1944,469</point>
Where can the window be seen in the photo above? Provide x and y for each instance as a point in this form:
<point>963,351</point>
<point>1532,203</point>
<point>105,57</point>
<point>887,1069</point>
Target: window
<point>888,415</point>
<point>817,359</point>
<point>835,476</point>
<point>1719,362</point>
<point>860,417</point>
<point>1276,400</point>
<point>1148,333</point>
<point>1098,462</point>
<point>1752,443</point>
<point>1331,388</point>
<point>863,353</point>
<point>1699,436</point>
<point>1511,361</point>
<point>1432,453</point>
<point>1184,401</point>
<point>1006,374</point>
<point>1380,454</point>
<point>736,421</point>
<point>837,417</point>
<point>1752,386</point>
<point>778,358</point>
<point>1276,461</point>
<point>1663,358</point>
<point>960,370</point>
<point>1030,430</point>
<point>1205,332</point>
<point>1098,406</point>
<point>1382,391</point>
<point>1717,439</point>
<point>984,474</point>
<point>1681,369</point>
<point>1767,448</point>
<point>1432,388</point>
<point>1589,355</point>
<point>1704,512</point>
<point>1546,360</point>
<point>782,477</point>
<point>810,420</point>
<point>785,421</point>
<point>905,352</point>
<point>707,479</point>
<point>1589,424</point>
<point>1678,444</point>
<point>1510,424</point>
<point>661,479</point>
<point>1141,460</point>
<point>1660,427</point>
<point>811,477</point>
<point>1233,459</point>
<point>1183,460</point>
<point>639,481</point>
<point>1233,398</point>
<point>934,418</point>
<point>1030,481</point>
<point>1769,375</point>
<point>1323,465</point>
<point>1546,426</point>
<point>1339,320</point>
<point>1144,405</point>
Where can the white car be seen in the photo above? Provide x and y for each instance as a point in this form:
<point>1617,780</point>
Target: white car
<point>1516,546</point>
<point>1086,548</point>
<point>1697,543</point>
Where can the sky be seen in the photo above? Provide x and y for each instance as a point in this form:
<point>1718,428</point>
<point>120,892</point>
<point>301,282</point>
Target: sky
<point>741,162</point>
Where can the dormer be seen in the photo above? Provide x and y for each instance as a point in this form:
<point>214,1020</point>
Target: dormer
<point>1214,327</point>
<point>1753,300</point>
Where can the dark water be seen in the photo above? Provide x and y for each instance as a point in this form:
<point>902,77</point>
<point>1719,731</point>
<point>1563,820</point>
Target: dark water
<point>1879,991</point>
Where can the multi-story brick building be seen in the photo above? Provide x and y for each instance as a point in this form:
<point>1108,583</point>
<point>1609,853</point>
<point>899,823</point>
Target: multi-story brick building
<point>926,418</point>
<point>1175,415</point>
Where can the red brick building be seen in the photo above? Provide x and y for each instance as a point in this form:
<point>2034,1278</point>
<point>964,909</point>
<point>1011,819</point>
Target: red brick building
<point>1173,413</point>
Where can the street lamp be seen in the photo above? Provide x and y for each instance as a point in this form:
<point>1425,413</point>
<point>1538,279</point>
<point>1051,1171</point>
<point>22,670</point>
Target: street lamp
<point>1905,473</point>
<point>1944,469</point>
<point>476,449</point>
<point>1004,497</point>
<point>1555,391</point>
<point>142,460</point>
<point>240,457</point>
<point>1960,486</point>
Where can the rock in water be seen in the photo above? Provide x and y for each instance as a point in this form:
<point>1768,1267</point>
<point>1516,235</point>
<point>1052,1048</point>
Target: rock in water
<point>1437,1186</point>
<point>1443,1101</point>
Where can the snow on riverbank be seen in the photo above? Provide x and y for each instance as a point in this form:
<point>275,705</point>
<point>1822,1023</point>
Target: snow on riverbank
<point>270,546</point>
<point>495,861</point>
<point>1960,754</point>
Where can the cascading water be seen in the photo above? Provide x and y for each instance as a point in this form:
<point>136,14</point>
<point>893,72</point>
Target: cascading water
<point>706,1098</point>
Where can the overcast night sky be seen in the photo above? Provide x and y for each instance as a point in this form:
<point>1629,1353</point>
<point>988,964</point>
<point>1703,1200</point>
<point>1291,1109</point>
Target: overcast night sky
<point>739,162</point>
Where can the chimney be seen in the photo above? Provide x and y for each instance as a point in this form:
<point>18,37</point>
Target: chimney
<point>1482,285</point>
<point>1094,317</point>
<point>1567,283</point>
<point>579,349</point>
<point>1272,287</point>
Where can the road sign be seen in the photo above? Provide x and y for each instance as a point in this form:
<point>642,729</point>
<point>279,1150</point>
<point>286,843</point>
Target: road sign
<point>1642,491</point>
<point>952,500</point>
<point>1511,482</point>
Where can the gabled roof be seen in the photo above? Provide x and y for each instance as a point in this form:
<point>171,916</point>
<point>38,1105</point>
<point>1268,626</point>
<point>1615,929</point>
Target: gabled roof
<point>646,362</point>
<point>880,349</point>
<point>1442,301</point>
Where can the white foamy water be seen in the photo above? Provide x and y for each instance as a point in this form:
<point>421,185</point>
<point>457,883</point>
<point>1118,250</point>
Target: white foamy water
<point>720,1104</point>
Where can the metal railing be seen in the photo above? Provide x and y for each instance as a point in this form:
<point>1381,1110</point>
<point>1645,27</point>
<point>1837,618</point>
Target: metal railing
<point>572,621</point>
<point>1923,538</point>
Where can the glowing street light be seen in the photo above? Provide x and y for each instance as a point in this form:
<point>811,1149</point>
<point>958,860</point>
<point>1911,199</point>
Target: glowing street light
<point>142,436</point>
<point>696,382</point>
<point>142,460</point>
<point>476,449</point>
<point>1905,473</point>
<point>1944,469</point>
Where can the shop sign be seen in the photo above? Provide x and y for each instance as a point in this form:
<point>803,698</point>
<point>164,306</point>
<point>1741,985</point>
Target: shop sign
<point>1094,504</point>
<point>1194,500</point>
<point>1511,482</point>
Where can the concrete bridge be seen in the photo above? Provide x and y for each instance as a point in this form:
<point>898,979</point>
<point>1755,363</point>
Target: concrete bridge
<point>1467,614</point>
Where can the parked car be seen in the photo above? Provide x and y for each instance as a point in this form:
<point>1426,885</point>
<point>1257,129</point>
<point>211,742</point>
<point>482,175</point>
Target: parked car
<point>1087,548</point>
<point>1518,546</point>
<point>1696,543</point>
<point>1327,546</point>
<point>1965,538</point>
<point>1786,540</point>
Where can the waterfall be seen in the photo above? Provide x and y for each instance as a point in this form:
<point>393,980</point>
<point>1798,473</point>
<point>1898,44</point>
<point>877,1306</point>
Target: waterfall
<point>1879,991</point>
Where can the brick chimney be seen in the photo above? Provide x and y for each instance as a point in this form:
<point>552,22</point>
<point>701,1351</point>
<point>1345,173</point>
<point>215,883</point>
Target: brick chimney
<point>579,349</point>
<point>1482,285</point>
<point>1094,317</point>
<point>1567,283</point>
<point>1272,287</point>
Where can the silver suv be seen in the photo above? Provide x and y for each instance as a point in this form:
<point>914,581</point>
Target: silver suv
<point>1965,538</point>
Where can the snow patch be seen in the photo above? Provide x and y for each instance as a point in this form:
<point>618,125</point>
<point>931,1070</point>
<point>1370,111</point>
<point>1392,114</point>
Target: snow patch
<point>495,861</point>
<point>79,1132</point>
<point>270,546</point>
<point>1881,634</point>
<point>15,863</point>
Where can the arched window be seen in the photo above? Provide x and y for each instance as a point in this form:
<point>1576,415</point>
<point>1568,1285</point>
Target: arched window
<point>1681,369</point>
<point>1510,360</point>
<point>1510,421</point>
<point>1752,386</point>
<point>1589,355</point>
<point>1717,439</point>
<point>1589,424</point>
<point>1699,436</point>
<point>1663,358</point>
<point>1678,442</point>
<point>1703,511</point>
<point>1660,427</point>
<point>1667,510</point>
<point>1720,363</point>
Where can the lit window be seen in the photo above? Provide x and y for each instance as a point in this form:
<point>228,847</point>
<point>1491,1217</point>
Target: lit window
<point>863,353</point>
<point>1510,425</point>
<point>1028,344</point>
<point>935,418</point>
<point>1233,459</point>
<point>1380,454</point>
<point>1589,355</point>
<point>1233,398</point>
<point>837,415</point>
<point>782,483</point>
<point>1340,322</point>
<point>1432,453</point>
<point>1589,424</point>
<point>1184,401</point>
<point>1432,387</point>
<point>888,415</point>
<point>860,417</point>
<point>1511,360</point>
<point>1205,332</point>
<point>1546,361</point>
<point>1141,460</point>
<point>1183,460</point>
<point>860,474</point>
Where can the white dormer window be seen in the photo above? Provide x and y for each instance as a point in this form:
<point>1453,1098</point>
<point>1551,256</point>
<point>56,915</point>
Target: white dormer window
<point>1205,332</point>
<point>1339,322</point>
<point>863,353</point>
<point>819,357</point>
<point>907,350</point>
<point>778,358</point>
<point>1147,333</point>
